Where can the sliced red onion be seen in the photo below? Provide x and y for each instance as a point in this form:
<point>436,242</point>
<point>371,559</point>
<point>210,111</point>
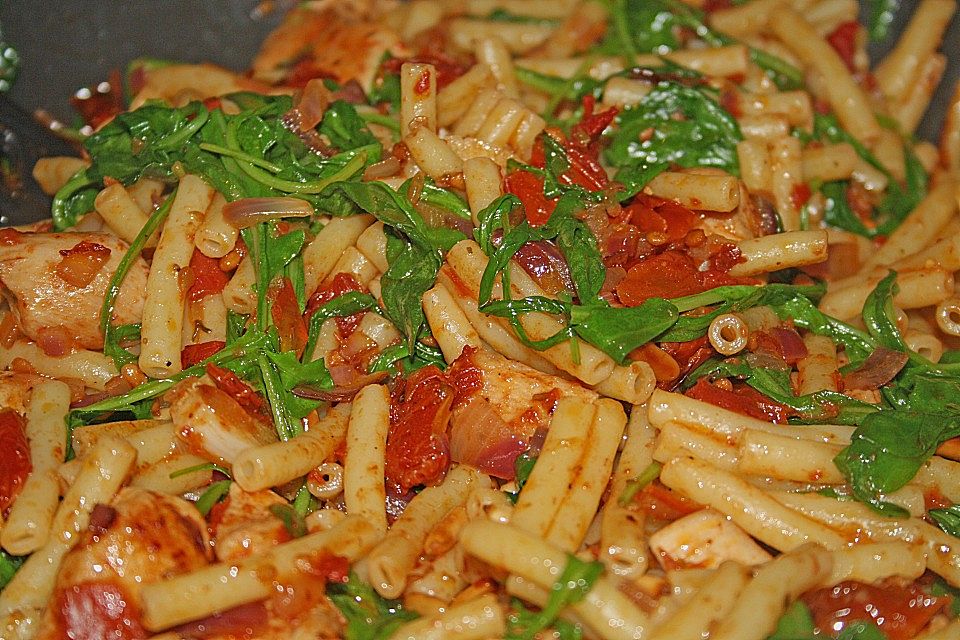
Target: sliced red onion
<point>247,212</point>
<point>877,370</point>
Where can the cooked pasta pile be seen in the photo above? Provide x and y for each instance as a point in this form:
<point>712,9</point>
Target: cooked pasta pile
<point>496,319</point>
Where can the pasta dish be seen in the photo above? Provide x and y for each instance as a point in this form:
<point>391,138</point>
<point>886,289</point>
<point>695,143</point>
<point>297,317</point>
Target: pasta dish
<point>615,319</point>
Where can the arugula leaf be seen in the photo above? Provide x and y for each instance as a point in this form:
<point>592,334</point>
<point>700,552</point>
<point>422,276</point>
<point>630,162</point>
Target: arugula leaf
<point>423,356</point>
<point>882,13</point>
<point>861,630</point>
<point>887,450</point>
<point>805,315</point>
<point>635,485</point>
<point>878,314</point>
<point>369,616</point>
<point>292,521</point>
<point>570,89</point>
<point>947,519</point>
<point>941,587</point>
<point>571,587</point>
<point>838,213</point>
<point>521,618</point>
<point>74,199</point>
<point>343,305</point>
<point>8,567</point>
<point>112,341</point>
<point>523,467</point>
<point>346,130</point>
<point>203,466</point>
<point>619,330</point>
<point>412,271</point>
<point>213,494</point>
<point>293,373</point>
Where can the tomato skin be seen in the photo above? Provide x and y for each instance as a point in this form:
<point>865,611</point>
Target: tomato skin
<point>340,284</point>
<point>287,318</point>
<point>96,610</point>
<point>208,277</point>
<point>15,463</point>
<point>231,384</point>
<point>529,188</point>
<point>901,611</point>
<point>668,275</point>
<point>743,400</point>
<point>194,353</point>
<point>844,41</point>
<point>661,503</point>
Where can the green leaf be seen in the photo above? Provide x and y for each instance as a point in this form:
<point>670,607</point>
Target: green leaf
<point>412,271</point>
<point>796,623</point>
<point>878,314</point>
<point>292,521</point>
<point>9,565</point>
<point>635,485</point>
<point>203,466</point>
<point>887,450</point>
<point>619,330</point>
<point>345,129</point>
<point>293,373</point>
<point>213,494</point>
<point>947,519</point>
<point>368,615</point>
<point>72,200</point>
<point>861,630</point>
<point>882,13</point>
<point>571,587</point>
<point>521,618</point>
<point>523,467</point>
<point>342,306</point>
<point>115,337</point>
<point>941,587</point>
<point>838,213</point>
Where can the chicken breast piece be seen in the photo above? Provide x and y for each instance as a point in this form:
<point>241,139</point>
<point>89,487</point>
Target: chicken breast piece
<point>704,539</point>
<point>246,526</point>
<point>140,538</point>
<point>32,279</point>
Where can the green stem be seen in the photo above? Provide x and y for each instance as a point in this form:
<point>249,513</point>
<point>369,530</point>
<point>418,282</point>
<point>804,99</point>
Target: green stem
<point>239,155</point>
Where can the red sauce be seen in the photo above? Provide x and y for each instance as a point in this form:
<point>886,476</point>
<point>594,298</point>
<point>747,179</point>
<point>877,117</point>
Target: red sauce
<point>742,399</point>
<point>901,611</point>
<point>10,236</point>
<point>81,264</point>
<point>422,86</point>
<point>15,463</point>
<point>668,275</point>
<point>286,316</point>
<point>194,353</point>
<point>97,610</point>
<point>231,384</point>
<point>208,277</point>
<point>800,195</point>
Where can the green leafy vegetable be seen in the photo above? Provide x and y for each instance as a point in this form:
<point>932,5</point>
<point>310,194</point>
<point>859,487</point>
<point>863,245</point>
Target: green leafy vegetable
<point>941,587</point>
<point>8,567</point>
<point>571,587</point>
<point>343,305</point>
<point>521,618</point>
<point>369,616</point>
<point>878,314</point>
<point>213,494</point>
<point>882,13</point>
<point>947,519</point>
<point>203,466</point>
<point>292,521</point>
<point>523,467</point>
<point>796,623</point>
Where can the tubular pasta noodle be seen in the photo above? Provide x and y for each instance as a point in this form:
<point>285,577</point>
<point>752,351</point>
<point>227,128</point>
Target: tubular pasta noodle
<point>432,154</point>
<point>508,547</point>
<point>909,111</point>
<point>697,191</point>
<point>121,213</point>
<point>764,127</point>
<point>100,477</point>
<point>53,172</point>
<point>518,37</point>
<point>556,468</point>
<point>786,175</point>
<point>448,324</point>
<point>795,106</point>
<point>501,122</point>
<point>762,601</point>
<point>493,53</point>
<point>156,476</point>
<point>363,490</point>
<point>946,633</point>
<point>830,162</point>
<point>772,456</point>
<point>676,440</point>
<point>745,19</point>
<point>86,437</point>
<point>870,562</point>
<point>477,112</point>
<point>711,603</point>
<point>28,523</point>
<point>623,546</point>
<point>843,93</point>
<point>950,136</point>
<point>391,560</point>
<point>474,620</point>
<point>625,92</point>
<point>754,510</point>
<point>163,308</point>
<point>754,159</point>
<point>238,294</point>
<point>216,237</point>
<point>483,182</point>
<point>372,243</point>
<point>579,504</point>
<point>902,66</point>
<point>817,371</point>
<point>917,289</point>
<point>418,97</point>
<point>322,253</point>
<point>353,262</point>
<point>93,368</point>
<point>725,61</point>
<point>273,464</point>
<point>226,585</point>
<point>633,383</point>
<point>780,251</point>
<point>454,100</point>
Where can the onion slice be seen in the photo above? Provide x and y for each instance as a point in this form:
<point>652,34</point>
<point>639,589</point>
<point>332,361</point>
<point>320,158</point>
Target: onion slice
<point>247,212</point>
<point>877,370</point>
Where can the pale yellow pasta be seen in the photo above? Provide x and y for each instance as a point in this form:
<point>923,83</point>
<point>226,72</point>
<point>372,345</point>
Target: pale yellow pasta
<point>557,466</point>
<point>609,612</point>
<point>900,69</point>
<point>493,53</point>
<point>455,99</point>
<point>356,264</point>
<point>784,458</point>
<point>677,440</point>
<point>163,308</point>
<point>745,19</point>
<point>888,149</point>
<point>829,162</point>
<point>219,587</point>
<point>727,61</point>
<point>519,37</point>
<point>449,325</point>
<point>765,127</point>
<point>216,237</point>
<point>943,253</point>
<point>921,288</point>
<point>631,383</point>
<point>763,600</point>
<point>710,192</point>
<point>924,343</point>
<point>711,603</point>
<point>753,509</point>
<point>910,109</point>
<point>238,294</point>
<point>827,15</point>
<point>786,176</point>
<point>205,320</point>
<point>147,193</point>
<point>870,562</point>
<point>420,16</point>
<point>274,464</point>
<point>100,477</point>
<point>842,92</point>
<point>121,213</point>
<point>754,159</point>
<point>418,97</point>
<point>432,155</point>
<point>478,111</point>
<point>473,620</point>
<point>28,523</point>
<point>781,251</point>
<point>950,136</point>
<point>501,122</point>
<point>525,134</point>
<point>85,438</point>
<point>90,367</point>
<point>795,106</point>
<point>444,580</point>
<point>625,92</point>
<point>728,334</point>
<point>623,546</point>
<point>322,253</point>
<point>157,476</point>
<point>363,489</point>
<point>580,502</point>
<point>390,561</point>
<point>52,172</point>
<point>378,329</point>
<point>948,316</point>
<point>817,371</point>
<point>483,182</point>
